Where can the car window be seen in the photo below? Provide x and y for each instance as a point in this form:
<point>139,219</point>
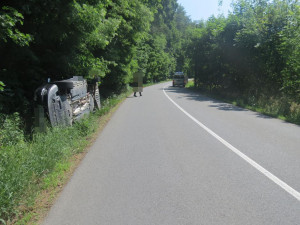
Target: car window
<point>179,76</point>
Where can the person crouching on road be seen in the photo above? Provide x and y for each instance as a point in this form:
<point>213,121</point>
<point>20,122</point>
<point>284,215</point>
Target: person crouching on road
<point>138,82</point>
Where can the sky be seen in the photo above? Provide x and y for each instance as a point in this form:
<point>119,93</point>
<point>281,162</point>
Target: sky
<point>203,9</point>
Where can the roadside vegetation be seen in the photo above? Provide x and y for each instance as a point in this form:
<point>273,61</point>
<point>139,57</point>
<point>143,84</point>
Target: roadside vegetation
<point>250,58</point>
<point>27,167</point>
<point>61,39</point>
<point>57,40</point>
<point>282,108</point>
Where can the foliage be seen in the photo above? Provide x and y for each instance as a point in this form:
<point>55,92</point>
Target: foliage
<point>2,85</point>
<point>251,53</point>
<point>110,39</point>
<point>254,51</point>
<point>9,18</point>
<point>251,56</point>
<point>290,50</point>
<point>11,132</point>
<point>25,165</point>
<point>135,19</point>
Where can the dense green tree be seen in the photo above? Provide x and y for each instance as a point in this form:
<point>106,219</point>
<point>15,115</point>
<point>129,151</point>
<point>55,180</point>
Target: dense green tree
<point>290,50</point>
<point>9,18</point>
<point>252,52</point>
<point>60,39</point>
<point>64,34</point>
<point>135,19</point>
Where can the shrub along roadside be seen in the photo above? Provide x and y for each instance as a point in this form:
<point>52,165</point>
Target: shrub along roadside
<point>27,167</point>
<point>279,107</point>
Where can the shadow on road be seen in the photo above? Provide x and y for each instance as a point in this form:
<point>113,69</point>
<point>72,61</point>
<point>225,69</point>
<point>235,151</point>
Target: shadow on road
<point>196,96</point>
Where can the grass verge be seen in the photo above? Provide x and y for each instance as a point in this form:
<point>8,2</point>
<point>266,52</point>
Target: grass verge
<point>281,107</point>
<point>32,173</point>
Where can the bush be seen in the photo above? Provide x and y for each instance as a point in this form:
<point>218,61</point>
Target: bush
<point>24,164</point>
<point>294,115</point>
<point>282,107</point>
<point>10,130</point>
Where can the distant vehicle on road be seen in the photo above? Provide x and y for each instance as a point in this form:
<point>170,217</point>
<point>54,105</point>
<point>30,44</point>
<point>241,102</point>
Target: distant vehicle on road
<point>179,79</point>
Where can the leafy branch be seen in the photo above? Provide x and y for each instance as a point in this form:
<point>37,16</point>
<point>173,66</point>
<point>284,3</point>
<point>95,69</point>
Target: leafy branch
<point>9,19</point>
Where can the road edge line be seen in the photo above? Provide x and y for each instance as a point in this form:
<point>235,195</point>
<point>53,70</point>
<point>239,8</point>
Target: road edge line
<point>261,169</point>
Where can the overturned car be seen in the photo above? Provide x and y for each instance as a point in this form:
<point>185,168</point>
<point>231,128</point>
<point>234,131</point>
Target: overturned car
<point>66,101</point>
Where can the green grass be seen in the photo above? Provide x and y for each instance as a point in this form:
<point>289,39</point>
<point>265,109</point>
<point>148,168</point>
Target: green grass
<point>190,84</point>
<point>29,167</point>
<point>281,107</point>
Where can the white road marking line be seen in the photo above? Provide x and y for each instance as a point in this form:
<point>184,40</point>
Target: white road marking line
<point>272,177</point>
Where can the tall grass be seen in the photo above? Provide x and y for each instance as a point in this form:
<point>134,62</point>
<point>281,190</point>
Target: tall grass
<point>25,164</point>
<point>282,107</point>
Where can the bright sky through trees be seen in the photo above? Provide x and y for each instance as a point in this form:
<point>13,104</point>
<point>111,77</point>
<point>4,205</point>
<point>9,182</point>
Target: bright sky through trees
<point>203,9</point>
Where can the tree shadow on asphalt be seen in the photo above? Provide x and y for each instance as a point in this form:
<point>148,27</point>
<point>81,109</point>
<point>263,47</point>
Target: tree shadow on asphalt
<point>196,96</point>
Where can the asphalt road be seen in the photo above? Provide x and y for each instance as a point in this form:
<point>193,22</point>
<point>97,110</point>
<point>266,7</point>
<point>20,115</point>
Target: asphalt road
<point>157,164</point>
